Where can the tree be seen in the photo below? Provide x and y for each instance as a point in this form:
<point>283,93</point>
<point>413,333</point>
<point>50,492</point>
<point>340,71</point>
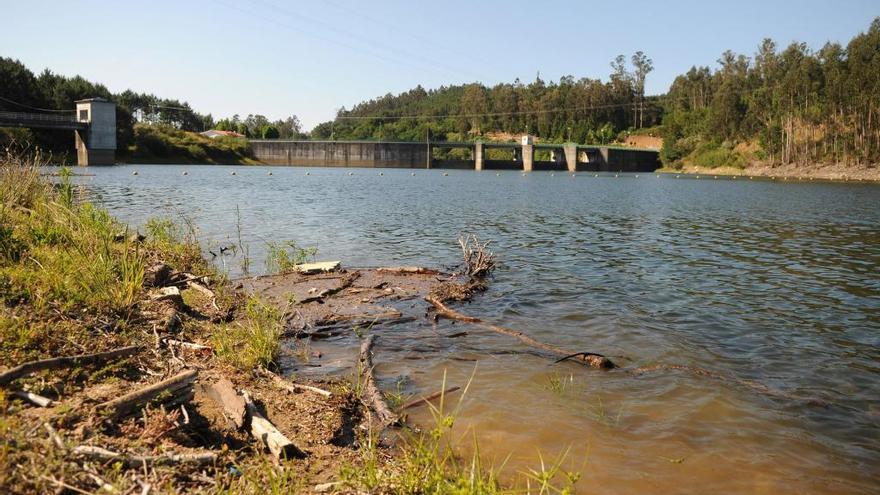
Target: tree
<point>270,132</point>
<point>643,66</point>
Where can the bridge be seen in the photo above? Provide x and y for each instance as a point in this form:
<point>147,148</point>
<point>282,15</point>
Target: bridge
<point>526,156</point>
<point>93,123</point>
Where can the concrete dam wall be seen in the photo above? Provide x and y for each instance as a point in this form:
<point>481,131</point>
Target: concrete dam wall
<point>372,154</point>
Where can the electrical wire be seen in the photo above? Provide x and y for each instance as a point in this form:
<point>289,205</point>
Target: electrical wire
<point>7,100</point>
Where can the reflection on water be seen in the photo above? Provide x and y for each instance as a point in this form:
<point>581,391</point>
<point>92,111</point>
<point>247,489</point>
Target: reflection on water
<point>774,283</point>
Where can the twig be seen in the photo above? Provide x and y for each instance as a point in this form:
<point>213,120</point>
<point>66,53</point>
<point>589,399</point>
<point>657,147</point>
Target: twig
<point>56,438</point>
<point>291,386</point>
<point>589,359</point>
<point>135,461</point>
<point>63,362</point>
<point>429,398</point>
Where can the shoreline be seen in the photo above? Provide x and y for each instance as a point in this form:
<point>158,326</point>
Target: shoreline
<point>837,173</point>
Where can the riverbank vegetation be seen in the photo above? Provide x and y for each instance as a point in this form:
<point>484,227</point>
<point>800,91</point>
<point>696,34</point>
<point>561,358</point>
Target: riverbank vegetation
<point>129,364</point>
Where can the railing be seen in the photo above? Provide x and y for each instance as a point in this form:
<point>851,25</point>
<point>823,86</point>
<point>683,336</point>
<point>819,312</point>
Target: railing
<point>38,117</point>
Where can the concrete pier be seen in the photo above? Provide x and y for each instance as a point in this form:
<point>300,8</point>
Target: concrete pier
<point>569,156</point>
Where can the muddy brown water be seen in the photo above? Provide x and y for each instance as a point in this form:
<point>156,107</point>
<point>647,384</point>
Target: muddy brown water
<point>775,283</point>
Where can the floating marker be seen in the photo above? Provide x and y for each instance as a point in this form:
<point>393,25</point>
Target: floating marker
<point>615,176</point>
<point>351,173</point>
<point>185,172</point>
<point>637,176</point>
<point>445,174</point>
<point>552,175</point>
<point>716,177</point>
<point>698,177</point>
<point>308,173</point>
<point>595,175</point>
<point>381,173</point>
<point>497,175</point>
<point>134,173</point>
<point>413,174</point>
<point>270,172</point>
<point>658,176</point>
<point>231,173</point>
<point>677,176</point>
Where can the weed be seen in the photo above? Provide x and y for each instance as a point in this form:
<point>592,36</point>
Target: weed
<point>282,257</point>
<point>558,383</point>
<point>601,415</point>
<point>253,342</point>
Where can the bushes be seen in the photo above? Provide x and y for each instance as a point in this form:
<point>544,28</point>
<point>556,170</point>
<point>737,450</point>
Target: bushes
<point>167,144</point>
<point>713,155</point>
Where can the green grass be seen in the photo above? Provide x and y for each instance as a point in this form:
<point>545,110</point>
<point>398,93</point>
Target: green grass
<point>164,144</point>
<point>253,342</point>
<point>282,257</point>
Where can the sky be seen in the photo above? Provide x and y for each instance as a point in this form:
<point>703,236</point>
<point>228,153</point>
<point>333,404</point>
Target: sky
<point>309,58</point>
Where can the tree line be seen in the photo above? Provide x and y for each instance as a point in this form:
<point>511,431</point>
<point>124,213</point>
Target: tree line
<point>791,105</point>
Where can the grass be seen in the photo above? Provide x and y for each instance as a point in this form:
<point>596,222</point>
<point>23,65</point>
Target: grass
<point>253,342</point>
<point>164,144</point>
<point>282,257</point>
<point>557,383</point>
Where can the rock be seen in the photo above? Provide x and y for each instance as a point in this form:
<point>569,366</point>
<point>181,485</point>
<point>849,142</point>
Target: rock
<point>171,294</point>
<point>322,266</point>
<point>157,275</point>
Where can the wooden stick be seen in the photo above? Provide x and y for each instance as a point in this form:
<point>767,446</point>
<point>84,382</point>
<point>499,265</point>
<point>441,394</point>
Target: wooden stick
<point>262,429</point>
<point>223,393</point>
<point>178,385</point>
<point>371,392</point>
<point>63,362</point>
<point>408,270</point>
<point>135,461</point>
<point>188,345</point>
<point>33,398</point>
<point>346,283</point>
<point>589,359</point>
<point>56,438</point>
<point>291,386</point>
<point>429,398</point>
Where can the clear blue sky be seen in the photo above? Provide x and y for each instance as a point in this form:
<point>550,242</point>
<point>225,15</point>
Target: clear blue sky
<point>311,57</point>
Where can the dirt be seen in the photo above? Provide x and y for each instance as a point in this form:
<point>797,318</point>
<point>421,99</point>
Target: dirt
<point>825,172</point>
<point>328,430</point>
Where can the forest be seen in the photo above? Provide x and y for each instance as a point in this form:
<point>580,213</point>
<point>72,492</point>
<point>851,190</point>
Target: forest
<point>780,105</point>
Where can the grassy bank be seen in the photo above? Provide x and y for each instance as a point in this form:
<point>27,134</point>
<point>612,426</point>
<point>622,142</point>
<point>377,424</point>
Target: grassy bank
<point>164,144</point>
<point>75,282</point>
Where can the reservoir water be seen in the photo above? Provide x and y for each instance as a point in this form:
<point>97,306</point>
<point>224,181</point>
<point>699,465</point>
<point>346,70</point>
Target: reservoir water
<point>767,283</point>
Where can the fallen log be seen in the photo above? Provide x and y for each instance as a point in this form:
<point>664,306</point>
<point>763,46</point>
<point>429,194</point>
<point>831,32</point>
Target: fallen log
<point>291,386</point>
<point>33,398</point>
<point>587,358</point>
<point>63,362</point>
<point>262,429</point>
<point>179,387</point>
<point>429,398</point>
<point>100,454</point>
<point>372,394</point>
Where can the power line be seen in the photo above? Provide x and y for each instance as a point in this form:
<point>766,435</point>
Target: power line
<point>7,100</point>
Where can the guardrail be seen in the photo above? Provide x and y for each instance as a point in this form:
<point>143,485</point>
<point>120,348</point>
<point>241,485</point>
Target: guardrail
<point>41,117</point>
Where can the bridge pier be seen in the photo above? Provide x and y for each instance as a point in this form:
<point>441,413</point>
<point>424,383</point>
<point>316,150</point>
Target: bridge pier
<point>528,153</point>
<point>478,156</point>
<point>571,156</point>
<point>96,145</point>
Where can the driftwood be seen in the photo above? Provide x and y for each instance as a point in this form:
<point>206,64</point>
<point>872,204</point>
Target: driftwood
<point>587,358</point>
<point>429,398</point>
<point>201,288</point>
<point>233,405</point>
<point>262,429</point>
<point>371,393</point>
<point>137,461</point>
<point>179,386</point>
<point>346,283</point>
<point>478,260</point>
<point>419,270</point>
<point>291,386</point>
<point>33,398</point>
<point>63,362</point>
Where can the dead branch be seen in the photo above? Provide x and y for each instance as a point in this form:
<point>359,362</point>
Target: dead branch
<point>186,345</point>
<point>371,392</point>
<point>179,387</point>
<point>33,398</point>
<point>347,280</point>
<point>100,454</point>
<point>201,288</point>
<point>478,260</point>
<point>262,429</point>
<point>63,362</point>
<point>291,386</point>
<point>589,359</point>
<point>415,270</point>
<point>429,398</point>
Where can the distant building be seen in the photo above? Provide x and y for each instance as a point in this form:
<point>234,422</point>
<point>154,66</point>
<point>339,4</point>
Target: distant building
<point>213,133</point>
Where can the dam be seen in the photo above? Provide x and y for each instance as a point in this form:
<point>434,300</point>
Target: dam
<point>526,156</point>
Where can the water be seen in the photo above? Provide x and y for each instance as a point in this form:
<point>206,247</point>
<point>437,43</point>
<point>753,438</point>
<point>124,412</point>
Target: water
<point>768,282</point>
